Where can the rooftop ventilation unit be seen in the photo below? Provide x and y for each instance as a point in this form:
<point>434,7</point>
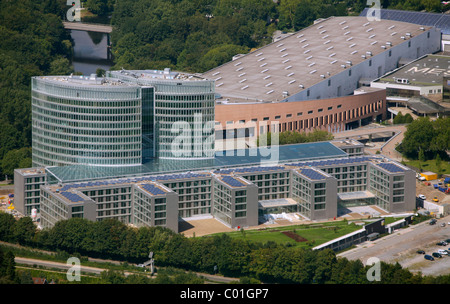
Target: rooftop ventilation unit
<point>292,81</point>
<point>285,93</point>
<point>281,44</point>
<point>383,47</point>
<point>330,48</point>
<point>342,22</point>
<point>214,74</point>
<point>265,70</point>
<point>238,63</point>
<point>345,27</point>
<point>422,28</point>
<point>325,37</point>
<point>313,71</point>
<point>354,52</point>
<point>287,60</point>
<point>306,52</point>
<point>389,43</point>
<point>288,67</point>
<point>240,75</point>
<point>320,27</point>
<point>369,30</point>
<point>282,50</point>
<point>350,38</point>
<point>220,84</point>
<point>363,56</point>
<point>408,34</point>
<point>301,86</point>
<point>303,40</point>
<point>332,55</point>
<point>300,36</point>
<point>259,54</point>
<point>324,31</point>
<point>239,69</point>
<point>371,36</point>
<point>369,53</point>
<point>343,66</point>
<point>402,37</point>
<point>391,27</point>
<point>352,45</point>
<point>326,42</point>
<point>374,42</point>
<point>243,80</point>
<point>306,45</point>
<point>349,62</point>
<point>346,33</point>
<point>333,62</point>
<point>290,74</point>
<point>243,88</point>
<point>284,55</point>
<point>322,76</point>
<point>366,24</point>
<point>311,64</point>
<point>267,77</point>
<point>393,33</point>
<point>262,65</point>
<point>269,84</point>
<point>269,92</point>
<point>218,78</point>
<point>309,57</point>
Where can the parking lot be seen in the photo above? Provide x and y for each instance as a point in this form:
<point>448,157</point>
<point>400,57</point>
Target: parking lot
<point>402,246</point>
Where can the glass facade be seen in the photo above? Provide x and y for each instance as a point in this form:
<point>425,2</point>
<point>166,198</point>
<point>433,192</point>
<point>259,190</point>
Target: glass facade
<point>183,112</point>
<point>79,120</point>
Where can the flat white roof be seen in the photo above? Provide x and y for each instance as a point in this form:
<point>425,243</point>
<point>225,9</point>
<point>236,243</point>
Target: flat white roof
<point>307,57</point>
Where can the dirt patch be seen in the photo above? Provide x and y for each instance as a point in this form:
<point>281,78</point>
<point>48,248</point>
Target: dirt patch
<point>294,236</point>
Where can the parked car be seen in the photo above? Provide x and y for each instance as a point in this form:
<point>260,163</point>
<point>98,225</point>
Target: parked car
<point>443,225</point>
<point>421,196</point>
<point>442,243</point>
<point>428,257</point>
<point>433,221</point>
<point>442,251</point>
<point>420,252</point>
<point>436,255</point>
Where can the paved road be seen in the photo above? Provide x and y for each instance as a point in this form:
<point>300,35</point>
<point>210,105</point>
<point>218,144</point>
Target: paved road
<point>401,247</point>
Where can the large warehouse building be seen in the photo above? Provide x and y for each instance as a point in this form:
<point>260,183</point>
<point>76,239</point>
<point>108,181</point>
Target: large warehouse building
<point>317,70</point>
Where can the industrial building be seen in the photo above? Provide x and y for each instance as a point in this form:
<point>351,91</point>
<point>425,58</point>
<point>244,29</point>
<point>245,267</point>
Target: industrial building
<point>314,74</point>
<point>311,180</point>
<point>418,85</point>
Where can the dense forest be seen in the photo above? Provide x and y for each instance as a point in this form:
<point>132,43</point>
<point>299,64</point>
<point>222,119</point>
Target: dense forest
<point>33,42</point>
<point>266,262</point>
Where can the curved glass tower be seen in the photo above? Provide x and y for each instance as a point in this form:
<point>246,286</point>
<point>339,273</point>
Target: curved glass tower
<point>79,120</point>
<point>183,112</point>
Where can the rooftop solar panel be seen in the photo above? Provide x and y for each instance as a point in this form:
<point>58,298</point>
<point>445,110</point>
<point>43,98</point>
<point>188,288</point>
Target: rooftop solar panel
<point>391,167</point>
<point>232,181</point>
<point>152,189</point>
<point>74,198</point>
<point>312,174</point>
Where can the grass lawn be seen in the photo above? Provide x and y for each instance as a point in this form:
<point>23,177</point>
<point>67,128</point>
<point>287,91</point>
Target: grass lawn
<point>430,165</point>
<point>313,234</point>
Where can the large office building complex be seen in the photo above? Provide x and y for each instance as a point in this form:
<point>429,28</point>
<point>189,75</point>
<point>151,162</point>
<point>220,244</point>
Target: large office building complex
<point>140,145</point>
<point>123,119</point>
<point>312,180</point>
